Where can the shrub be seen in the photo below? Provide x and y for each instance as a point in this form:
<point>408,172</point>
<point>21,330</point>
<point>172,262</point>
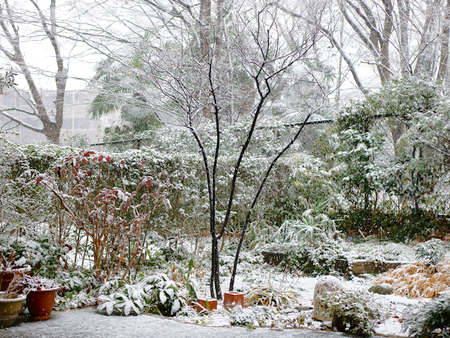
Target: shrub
<point>114,220</point>
<point>314,258</point>
<point>353,311</point>
<point>428,319</point>
<point>432,251</point>
<point>250,317</point>
<point>156,294</point>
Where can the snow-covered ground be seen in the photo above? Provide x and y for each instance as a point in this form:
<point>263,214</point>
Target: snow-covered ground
<point>254,273</point>
<point>304,289</point>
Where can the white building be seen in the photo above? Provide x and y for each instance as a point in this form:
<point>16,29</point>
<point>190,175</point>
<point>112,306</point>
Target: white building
<point>76,120</point>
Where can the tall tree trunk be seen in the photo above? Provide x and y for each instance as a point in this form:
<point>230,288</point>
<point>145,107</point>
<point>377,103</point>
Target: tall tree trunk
<point>386,34</point>
<point>404,12</point>
<point>423,63</point>
<point>443,60</point>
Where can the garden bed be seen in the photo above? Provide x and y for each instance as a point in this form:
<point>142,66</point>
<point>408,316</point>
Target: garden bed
<point>355,267</point>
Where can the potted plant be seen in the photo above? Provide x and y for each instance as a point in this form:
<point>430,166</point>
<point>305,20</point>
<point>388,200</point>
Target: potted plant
<point>11,302</point>
<point>41,293</point>
<point>9,268</point>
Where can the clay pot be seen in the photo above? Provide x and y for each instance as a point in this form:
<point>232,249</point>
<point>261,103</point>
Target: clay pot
<point>40,303</point>
<point>7,275</point>
<point>232,299</point>
<point>205,305</point>
<point>10,309</point>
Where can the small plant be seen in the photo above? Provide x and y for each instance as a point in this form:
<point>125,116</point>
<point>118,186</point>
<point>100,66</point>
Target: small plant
<point>312,225</point>
<point>429,319</point>
<point>269,296</point>
<point>37,283</point>
<point>156,294</point>
<point>250,317</point>
<point>418,280</point>
<point>14,288</point>
<point>353,311</point>
<point>186,275</point>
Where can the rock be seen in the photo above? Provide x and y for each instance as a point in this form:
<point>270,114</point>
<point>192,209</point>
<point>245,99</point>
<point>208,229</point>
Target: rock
<point>324,284</point>
<point>382,289</point>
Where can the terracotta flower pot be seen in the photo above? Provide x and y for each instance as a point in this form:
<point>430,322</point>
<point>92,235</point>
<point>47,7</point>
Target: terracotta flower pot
<point>40,303</point>
<point>205,305</point>
<point>10,309</point>
<point>232,299</point>
<point>7,275</point>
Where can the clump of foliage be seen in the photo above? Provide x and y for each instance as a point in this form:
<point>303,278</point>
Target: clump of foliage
<point>432,251</point>
<point>267,295</point>
<point>77,289</point>
<point>314,258</point>
<point>155,294</point>
<point>428,319</point>
<point>250,317</point>
<point>312,225</point>
<point>42,255</point>
<point>353,311</point>
<point>312,242</point>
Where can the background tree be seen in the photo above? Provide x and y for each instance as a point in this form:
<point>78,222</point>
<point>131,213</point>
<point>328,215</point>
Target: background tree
<point>120,90</point>
<point>28,21</point>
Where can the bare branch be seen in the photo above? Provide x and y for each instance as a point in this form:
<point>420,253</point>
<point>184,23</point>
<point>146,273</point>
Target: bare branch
<point>28,126</point>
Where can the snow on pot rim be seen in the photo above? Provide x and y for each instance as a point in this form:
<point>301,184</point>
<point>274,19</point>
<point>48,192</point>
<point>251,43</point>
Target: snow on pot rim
<point>18,298</point>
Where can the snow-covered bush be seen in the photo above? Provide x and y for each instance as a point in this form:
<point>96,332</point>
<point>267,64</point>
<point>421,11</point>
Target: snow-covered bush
<point>428,319</point>
<point>251,316</point>
<point>353,311</point>
<point>77,289</point>
<point>37,283</point>
<point>315,258</point>
<point>432,251</point>
<point>43,256</point>
<point>309,227</point>
<point>156,294</point>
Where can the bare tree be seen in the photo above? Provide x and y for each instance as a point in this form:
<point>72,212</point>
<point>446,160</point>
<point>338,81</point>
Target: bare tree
<point>264,49</point>
<point>11,46</point>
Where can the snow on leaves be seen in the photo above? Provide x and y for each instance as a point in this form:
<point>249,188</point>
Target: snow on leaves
<point>156,294</point>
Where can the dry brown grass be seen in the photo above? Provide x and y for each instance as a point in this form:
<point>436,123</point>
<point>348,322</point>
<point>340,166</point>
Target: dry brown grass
<point>418,280</point>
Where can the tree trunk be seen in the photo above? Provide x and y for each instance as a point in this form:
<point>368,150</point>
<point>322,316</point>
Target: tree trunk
<point>404,11</point>
<point>51,129</point>
<point>441,75</point>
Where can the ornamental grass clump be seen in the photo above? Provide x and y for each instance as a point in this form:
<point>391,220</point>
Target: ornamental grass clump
<point>353,311</point>
<point>428,319</point>
<point>418,280</point>
<point>269,296</point>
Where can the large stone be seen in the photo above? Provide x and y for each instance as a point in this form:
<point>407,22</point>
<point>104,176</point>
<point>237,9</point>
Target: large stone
<point>324,285</point>
<point>382,289</point>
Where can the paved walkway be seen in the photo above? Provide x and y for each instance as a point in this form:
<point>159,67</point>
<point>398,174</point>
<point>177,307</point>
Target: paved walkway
<point>86,323</point>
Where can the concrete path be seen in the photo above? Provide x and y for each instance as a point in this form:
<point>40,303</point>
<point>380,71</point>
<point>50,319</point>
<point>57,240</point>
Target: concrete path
<point>86,323</point>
